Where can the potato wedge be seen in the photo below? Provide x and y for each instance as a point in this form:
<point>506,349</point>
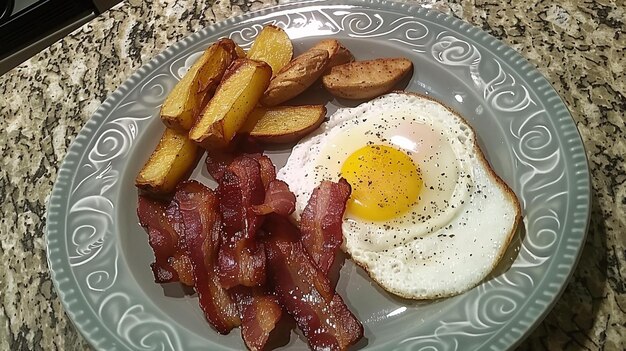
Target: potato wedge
<point>174,158</point>
<point>235,97</point>
<point>337,53</point>
<point>294,78</point>
<point>366,79</point>
<point>186,100</point>
<point>284,124</point>
<point>272,45</point>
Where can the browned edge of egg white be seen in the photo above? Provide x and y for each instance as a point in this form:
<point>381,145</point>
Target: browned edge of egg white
<point>502,185</point>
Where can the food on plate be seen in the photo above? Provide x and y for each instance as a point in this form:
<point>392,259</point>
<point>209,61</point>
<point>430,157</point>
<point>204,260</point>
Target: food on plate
<point>184,102</point>
<point>272,45</point>
<point>247,184</point>
<point>229,236</point>
<point>171,264</point>
<point>240,90</point>
<point>241,258</point>
<point>399,183</point>
<point>278,199</point>
<point>174,158</point>
<point>337,53</point>
<point>326,206</point>
<point>284,124</point>
<point>201,231</point>
<point>218,160</point>
<point>260,313</point>
<point>299,74</point>
<point>366,79</point>
<point>427,217</point>
<point>305,292</point>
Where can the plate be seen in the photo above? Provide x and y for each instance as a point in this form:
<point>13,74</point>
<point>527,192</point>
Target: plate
<point>99,255</point>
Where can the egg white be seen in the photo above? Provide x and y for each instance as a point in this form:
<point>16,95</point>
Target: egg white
<point>433,250</point>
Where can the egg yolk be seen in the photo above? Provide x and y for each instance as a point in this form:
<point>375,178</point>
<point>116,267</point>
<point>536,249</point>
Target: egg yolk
<point>385,182</point>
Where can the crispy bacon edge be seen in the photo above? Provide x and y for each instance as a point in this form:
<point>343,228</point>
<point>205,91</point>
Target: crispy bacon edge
<point>321,220</point>
<point>199,208</point>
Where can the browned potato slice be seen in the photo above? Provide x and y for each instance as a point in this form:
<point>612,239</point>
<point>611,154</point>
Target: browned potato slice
<point>284,124</point>
<point>235,97</point>
<point>366,79</point>
<point>337,53</point>
<point>184,102</point>
<point>174,157</point>
<point>294,78</point>
<point>273,46</point>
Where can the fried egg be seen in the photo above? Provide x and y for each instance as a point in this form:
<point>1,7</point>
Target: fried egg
<point>427,216</point>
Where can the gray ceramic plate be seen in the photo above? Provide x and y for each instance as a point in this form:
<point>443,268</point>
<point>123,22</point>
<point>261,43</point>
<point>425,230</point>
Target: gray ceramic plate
<point>99,256</point>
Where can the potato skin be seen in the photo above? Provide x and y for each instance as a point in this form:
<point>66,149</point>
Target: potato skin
<point>366,79</point>
<point>296,76</point>
<point>337,53</point>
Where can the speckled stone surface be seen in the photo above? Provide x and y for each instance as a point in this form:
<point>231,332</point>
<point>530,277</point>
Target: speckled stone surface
<point>580,46</point>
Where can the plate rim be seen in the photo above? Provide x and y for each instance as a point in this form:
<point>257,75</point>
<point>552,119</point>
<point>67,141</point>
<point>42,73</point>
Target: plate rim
<point>64,181</point>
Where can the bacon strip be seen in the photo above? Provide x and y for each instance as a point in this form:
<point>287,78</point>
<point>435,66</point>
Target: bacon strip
<point>241,259</point>
<point>170,264</point>
<point>247,172</point>
<point>217,161</point>
<point>239,265</point>
<point>199,206</point>
<point>259,314</point>
<point>321,221</point>
<point>305,292</point>
<point>180,260</point>
<point>268,171</point>
<point>259,320</point>
<point>278,199</point>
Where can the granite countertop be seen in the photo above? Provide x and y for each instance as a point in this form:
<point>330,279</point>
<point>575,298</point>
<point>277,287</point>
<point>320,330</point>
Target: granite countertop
<point>580,47</point>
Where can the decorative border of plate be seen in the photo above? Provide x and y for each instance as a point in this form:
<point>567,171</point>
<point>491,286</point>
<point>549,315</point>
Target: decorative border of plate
<point>516,87</point>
